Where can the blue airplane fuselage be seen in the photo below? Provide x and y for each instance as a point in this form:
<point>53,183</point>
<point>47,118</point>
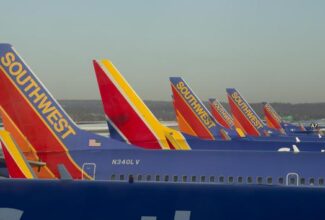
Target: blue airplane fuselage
<point>84,200</point>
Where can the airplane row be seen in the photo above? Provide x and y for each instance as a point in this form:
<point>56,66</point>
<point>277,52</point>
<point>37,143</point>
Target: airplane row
<point>41,141</point>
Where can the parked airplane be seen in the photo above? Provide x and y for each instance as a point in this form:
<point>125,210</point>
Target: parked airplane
<point>58,142</point>
<point>193,115</point>
<point>252,124</point>
<point>127,114</point>
<point>84,200</point>
<point>274,120</point>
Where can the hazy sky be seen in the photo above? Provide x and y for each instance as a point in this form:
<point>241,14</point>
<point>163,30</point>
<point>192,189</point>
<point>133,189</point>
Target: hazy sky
<point>269,50</point>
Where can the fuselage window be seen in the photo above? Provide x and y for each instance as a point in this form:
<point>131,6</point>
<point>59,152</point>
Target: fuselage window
<point>259,180</point>
<point>221,179</point>
<point>202,179</point>
<point>269,180</point>
<point>240,179</point>
<point>166,178</point>
<point>184,179</point>
<point>193,179</point>
<point>148,178</point>
<point>249,179</point>
<point>320,181</point>
<point>113,177</point>
<point>121,177</point>
<point>302,181</point>
<point>139,177</point>
<point>131,178</point>
<point>230,179</point>
<point>212,179</point>
<point>311,181</point>
<point>292,181</point>
<point>281,180</point>
<point>157,178</point>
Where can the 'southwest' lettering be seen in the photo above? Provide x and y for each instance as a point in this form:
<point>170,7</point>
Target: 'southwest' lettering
<point>224,114</point>
<point>196,105</point>
<point>244,107</point>
<point>273,113</point>
<point>36,96</point>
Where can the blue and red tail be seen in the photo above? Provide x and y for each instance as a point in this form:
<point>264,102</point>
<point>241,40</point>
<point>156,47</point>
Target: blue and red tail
<point>221,114</point>
<point>193,117</point>
<point>128,116</point>
<point>244,115</point>
<point>272,118</point>
<point>38,116</point>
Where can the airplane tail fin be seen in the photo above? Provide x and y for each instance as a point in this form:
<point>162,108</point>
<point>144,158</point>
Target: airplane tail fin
<point>244,114</point>
<point>191,112</point>
<point>272,118</point>
<point>39,117</point>
<point>221,114</point>
<point>17,165</point>
<point>182,123</point>
<point>128,114</point>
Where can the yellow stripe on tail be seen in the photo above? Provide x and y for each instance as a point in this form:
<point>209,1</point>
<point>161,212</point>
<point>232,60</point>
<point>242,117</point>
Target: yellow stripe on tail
<point>16,154</point>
